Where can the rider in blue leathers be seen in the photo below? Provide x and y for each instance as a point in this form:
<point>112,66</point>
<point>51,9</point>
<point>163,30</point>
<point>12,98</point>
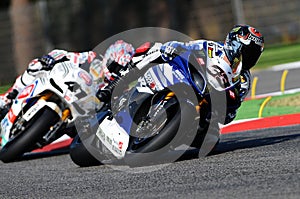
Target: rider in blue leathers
<point>241,50</point>
<point>213,49</point>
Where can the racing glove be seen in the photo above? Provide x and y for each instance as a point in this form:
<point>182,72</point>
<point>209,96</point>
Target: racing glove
<point>104,95</point>
<point>170,51</point>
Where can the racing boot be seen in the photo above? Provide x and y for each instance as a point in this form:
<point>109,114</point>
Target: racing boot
<point>7,98</point>
<point>6,101</point>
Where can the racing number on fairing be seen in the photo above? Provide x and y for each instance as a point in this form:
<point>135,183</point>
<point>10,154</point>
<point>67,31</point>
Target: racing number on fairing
<point>217,73</point>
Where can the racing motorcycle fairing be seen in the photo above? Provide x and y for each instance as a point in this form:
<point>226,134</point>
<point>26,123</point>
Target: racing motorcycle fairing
<point>152,91</point>
<point>153,97</point>
<point>61,90</point>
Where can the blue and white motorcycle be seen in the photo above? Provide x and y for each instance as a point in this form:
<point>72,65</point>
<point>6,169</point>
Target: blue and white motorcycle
<point>162,108</point>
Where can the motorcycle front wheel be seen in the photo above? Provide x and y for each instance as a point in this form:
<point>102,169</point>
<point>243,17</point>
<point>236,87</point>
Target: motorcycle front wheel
<point>80,155</point>
<point>25,140</point>
<point>150,145</point>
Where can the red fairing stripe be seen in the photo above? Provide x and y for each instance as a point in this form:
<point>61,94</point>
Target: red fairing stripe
<point>11,116</point>
<point>143,48</point>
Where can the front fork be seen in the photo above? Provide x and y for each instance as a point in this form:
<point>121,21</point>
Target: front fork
<point>54,133</point>
<point>66,113</point>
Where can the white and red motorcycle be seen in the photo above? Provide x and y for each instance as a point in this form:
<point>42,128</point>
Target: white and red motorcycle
<point>45,109</point>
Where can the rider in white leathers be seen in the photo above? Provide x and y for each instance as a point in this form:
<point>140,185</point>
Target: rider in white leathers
<point>97,65</point>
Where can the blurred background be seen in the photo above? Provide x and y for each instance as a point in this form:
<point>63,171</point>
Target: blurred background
<point>31,28</point>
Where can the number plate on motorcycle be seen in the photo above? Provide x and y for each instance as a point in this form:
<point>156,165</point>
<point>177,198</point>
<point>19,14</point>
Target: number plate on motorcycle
<point>114,137</point>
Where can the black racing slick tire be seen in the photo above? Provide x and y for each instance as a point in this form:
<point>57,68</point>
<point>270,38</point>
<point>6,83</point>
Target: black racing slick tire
<point>80,155</point>
<point>26,140</point>
<point>154,151</point>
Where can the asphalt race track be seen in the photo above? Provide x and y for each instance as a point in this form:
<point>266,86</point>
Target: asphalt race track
<point>269,80</point>
<point>260,164</point>
<point>251,164</point>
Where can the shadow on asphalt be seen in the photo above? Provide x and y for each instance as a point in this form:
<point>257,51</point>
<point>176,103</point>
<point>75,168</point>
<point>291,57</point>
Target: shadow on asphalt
<point>233,145</point>
<point>37,155</point>
<point>236,143</point>
<point>240,143</point>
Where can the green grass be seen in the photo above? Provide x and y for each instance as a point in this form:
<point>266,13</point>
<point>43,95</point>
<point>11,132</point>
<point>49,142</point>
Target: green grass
<point>249,109</point>
<point>3,89</point>
<point>279,55</point>
<point>278,105</point>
